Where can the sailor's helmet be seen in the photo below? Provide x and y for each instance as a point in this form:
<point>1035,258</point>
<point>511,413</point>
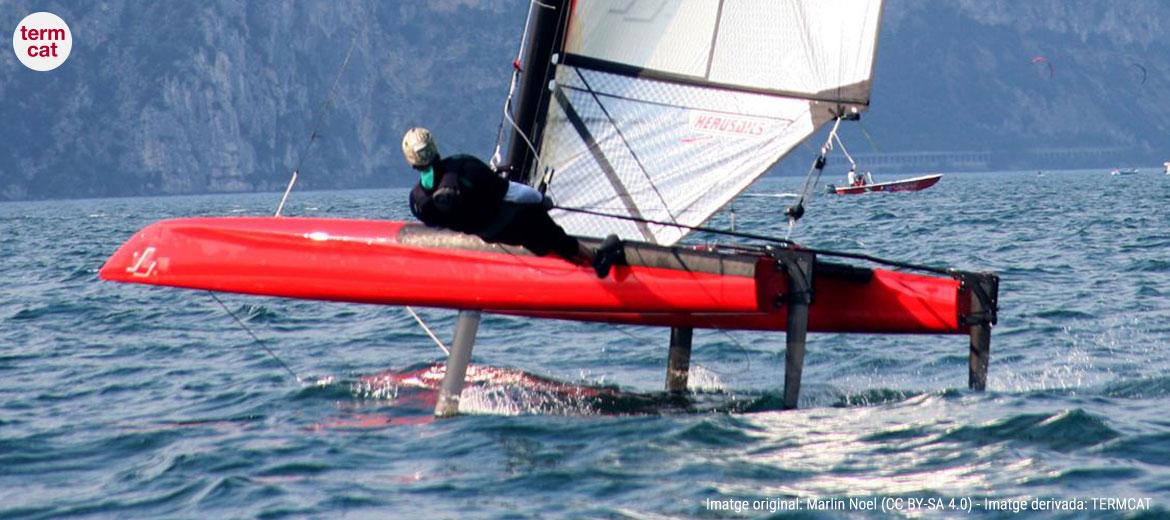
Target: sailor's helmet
<point>418,146</point>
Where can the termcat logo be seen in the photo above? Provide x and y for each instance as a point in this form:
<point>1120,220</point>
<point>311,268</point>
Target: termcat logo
<point>42,41</point>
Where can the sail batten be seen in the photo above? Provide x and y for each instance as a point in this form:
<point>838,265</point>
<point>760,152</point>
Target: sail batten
<point>833,95</point>
<point>664,111</point>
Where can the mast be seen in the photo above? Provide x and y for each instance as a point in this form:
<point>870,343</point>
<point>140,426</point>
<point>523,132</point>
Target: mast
<point>545,37</point>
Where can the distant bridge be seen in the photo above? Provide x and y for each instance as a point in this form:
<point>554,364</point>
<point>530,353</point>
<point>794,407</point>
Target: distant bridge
<point>916,161</point>
<point>1043,158</point>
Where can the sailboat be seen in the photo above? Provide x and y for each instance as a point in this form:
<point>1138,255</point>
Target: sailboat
<point>640,119</point>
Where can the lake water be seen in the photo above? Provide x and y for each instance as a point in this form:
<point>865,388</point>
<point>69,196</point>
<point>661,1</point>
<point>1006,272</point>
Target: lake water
<point>123,401</point>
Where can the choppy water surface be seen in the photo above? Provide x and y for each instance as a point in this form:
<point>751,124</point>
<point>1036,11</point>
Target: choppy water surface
<point>125,401</point>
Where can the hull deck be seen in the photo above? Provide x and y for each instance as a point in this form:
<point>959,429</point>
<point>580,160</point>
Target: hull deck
<point>396,263</point>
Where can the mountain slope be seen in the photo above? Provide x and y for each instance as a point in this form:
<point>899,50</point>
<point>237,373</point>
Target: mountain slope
<point>174,97</point>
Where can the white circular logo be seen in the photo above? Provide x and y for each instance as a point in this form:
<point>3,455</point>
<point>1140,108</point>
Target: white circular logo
<point>42,41</point>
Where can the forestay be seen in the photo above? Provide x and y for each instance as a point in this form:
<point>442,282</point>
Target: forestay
<point>665,110</point>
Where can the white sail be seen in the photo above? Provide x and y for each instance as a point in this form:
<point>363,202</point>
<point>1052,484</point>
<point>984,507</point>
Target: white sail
<point>665,110</point>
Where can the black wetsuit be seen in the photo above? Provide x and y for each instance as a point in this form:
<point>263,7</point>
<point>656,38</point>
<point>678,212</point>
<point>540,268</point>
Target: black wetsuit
<point>465,195</point>
<point>468,197</point>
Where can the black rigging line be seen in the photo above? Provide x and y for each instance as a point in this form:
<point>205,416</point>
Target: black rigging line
<point>304,154</point>
<point>627,144</point>
<point>682,226</point>
<point>324,108</point>
<point>764,238</point>
<point>255,338</point>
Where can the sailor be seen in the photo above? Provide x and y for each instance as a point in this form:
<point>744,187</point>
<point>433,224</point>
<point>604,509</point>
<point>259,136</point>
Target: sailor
<point>463,194</point>
<point>859,179</point>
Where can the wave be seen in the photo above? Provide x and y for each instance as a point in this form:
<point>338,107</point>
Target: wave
<point>1062,431</point>
<point>493,390</point>
<point>1143,388</point>
<point>1151,265</point>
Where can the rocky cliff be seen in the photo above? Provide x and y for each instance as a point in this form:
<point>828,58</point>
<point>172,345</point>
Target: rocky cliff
<point>188,97</point>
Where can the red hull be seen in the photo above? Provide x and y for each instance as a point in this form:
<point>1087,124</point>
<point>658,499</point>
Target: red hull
<point>396,263</point>
<point>915,184</point>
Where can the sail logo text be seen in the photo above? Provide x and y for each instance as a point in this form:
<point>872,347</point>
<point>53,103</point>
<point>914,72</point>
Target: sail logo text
<point>729,125</point>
